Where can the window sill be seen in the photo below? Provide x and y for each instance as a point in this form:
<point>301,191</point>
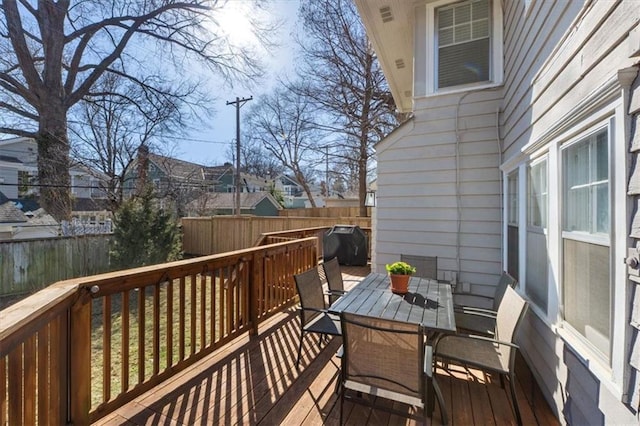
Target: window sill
<point>460,89</point>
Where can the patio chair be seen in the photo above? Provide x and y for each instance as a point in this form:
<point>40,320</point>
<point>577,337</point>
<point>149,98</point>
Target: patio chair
<point>481,316</point>
<point>388,359</point>
<point>313,314</point>
<point>496,355</point>
<point>334,279</point>
<point>426,266</point>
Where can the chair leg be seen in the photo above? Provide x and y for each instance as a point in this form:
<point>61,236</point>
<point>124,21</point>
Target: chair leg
<point>300,349</point>
<point>341,401</point>
<point>443,409</point>
<point>512,386</point>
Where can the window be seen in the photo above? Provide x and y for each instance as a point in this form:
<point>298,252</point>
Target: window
<point>464,43</point>
<point>537,284</point>
<point>512,182</point>
<point>537,212</point>
<point>466,48</point>
<point>586,244</point>
<point>587,186</point>
<point>512,225</point>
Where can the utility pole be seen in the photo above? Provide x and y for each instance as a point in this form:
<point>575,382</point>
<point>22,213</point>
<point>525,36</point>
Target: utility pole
<point>326,170</point>
<point>238,103</point>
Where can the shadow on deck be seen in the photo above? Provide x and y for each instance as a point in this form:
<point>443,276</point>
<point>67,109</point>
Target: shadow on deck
<point>254,380</point>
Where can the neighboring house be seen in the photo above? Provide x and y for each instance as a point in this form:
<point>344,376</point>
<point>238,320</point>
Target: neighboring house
<point>253,183</point>
<point>166,174</point>
<point>254,203</point>
<point>294,195</point>
<point>522,155</point>
<point>18,167</point>
<point>177,180</point>
<point>17,225</point>
<point>19,173</point>
<point>288,186</point>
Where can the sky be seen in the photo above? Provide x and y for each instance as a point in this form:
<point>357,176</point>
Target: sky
<point>209,146</point>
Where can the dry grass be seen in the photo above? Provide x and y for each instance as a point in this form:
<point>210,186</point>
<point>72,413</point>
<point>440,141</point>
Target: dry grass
<point>116,343</point>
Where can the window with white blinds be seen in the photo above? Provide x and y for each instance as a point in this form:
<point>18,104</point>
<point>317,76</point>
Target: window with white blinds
<point>463,43</point>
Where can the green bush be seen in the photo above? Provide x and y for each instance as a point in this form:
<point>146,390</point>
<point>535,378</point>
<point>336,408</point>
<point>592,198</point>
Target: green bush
<point>144,234</point>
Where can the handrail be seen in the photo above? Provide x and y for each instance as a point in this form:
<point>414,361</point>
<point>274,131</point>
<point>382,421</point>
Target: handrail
<point>76,351</point>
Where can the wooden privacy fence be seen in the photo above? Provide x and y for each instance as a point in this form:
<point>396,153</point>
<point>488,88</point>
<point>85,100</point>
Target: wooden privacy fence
<point>30,265</point>
<point>219,234</point>
<point>335,212</point>
<point>81,348</point>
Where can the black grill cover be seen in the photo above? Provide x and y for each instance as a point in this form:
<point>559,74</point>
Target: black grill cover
<point>346,242</point>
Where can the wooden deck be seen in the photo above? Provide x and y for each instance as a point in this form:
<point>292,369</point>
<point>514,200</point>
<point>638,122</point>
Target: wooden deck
<point>254,380</point>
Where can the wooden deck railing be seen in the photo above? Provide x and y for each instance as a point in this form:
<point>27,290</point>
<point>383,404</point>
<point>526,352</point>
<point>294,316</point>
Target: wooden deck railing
<point>79,349</point>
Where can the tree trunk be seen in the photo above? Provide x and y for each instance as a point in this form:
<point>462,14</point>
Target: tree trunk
<point>364,134</point>
<point>53,163</point>
<point>305,186</point>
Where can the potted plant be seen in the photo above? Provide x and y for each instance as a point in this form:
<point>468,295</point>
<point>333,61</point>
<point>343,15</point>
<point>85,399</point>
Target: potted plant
<point>399,274</point>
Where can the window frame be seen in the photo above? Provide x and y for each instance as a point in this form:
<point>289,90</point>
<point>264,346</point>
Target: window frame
<point>513,176</point>
<point>530,226</point>
<point>568,332</point>
<point>599,238</point>
<point>496,70</point>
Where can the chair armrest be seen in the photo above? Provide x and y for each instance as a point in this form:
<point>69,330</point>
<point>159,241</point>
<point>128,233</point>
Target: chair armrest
<point>428,360</point>
<point>324,311</point>
<point>336,292</point>
<point>472,300</point>
<point>470,310</point>
<point>471,337</point>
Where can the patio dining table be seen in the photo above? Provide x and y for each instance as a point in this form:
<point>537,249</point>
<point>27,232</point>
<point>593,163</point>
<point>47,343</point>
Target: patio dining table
<point>428,302</point>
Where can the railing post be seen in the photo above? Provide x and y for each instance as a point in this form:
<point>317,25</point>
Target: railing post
<point>256,284</point>
<point>79,367</point>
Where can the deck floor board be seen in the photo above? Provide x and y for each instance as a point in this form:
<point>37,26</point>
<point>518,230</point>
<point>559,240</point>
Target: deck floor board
<point>254,381</point>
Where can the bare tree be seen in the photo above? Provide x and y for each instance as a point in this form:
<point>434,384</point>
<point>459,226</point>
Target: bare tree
<point>282,123</point>
<point>342,75</point>
<point>255,159</point>
<point>107,129</point>
<point>52,54</point>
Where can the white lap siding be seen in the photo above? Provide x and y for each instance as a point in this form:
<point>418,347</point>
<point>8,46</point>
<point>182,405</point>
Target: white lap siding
<point>421,196</point>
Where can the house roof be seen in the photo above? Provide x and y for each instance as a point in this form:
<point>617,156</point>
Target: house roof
<point>182,169</point>
<point>389,25</point>
<point>10,213</point>
<point>255,180</point>
<point>216,172</point>
<point>177,168</point>
<point>41,217</point>
<point>226,200</point>
<point>26,204</point>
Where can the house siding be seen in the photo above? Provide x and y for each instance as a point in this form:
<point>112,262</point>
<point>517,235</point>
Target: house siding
<point>265,208</point>
<point>9,178</point>
<point>568,68</point>
<point>557,55</point>
<point>417,202</point>
<point>633,386</point>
